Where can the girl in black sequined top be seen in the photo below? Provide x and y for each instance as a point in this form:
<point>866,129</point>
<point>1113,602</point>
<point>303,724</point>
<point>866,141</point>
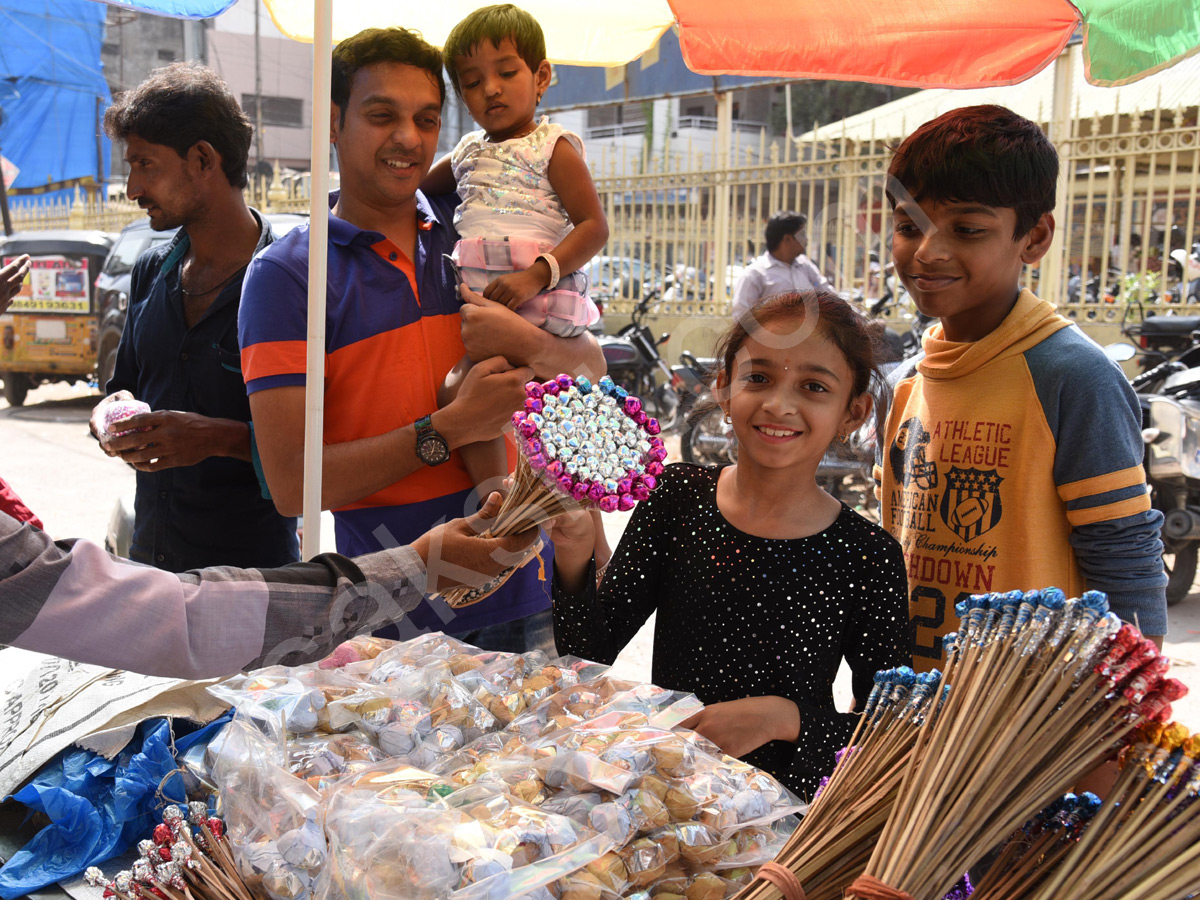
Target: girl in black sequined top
<point>762,582</point>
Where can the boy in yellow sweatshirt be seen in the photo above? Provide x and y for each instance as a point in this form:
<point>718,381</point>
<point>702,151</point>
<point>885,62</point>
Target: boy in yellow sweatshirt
<point>1012,455</point>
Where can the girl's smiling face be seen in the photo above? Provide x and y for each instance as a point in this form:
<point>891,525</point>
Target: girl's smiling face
<point>789,399</point>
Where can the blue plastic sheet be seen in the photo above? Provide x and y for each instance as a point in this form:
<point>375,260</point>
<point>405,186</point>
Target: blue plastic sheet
<point>52,90</point>
<point>98,808</point>
<point>177,9</point>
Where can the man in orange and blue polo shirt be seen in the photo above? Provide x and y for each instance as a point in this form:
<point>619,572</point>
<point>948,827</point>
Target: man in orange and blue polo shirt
<point>394,327</point>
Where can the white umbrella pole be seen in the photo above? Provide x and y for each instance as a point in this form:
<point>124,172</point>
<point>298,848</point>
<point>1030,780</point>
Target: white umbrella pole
<point>318,247</point>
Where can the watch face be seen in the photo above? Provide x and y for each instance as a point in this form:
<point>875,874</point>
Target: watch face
<point>433,450</point>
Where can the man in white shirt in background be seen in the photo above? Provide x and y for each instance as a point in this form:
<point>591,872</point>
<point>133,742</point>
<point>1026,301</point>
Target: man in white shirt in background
<point>784,268</point>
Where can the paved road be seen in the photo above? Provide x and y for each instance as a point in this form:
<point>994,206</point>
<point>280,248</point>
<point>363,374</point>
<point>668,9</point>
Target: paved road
<point>52,462</point>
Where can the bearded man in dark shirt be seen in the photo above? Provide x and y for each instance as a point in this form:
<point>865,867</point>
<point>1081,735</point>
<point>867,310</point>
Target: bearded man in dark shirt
<point>199,502</point>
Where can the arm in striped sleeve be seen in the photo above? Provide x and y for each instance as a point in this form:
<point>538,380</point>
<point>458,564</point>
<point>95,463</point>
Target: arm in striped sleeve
<point>1094,416</point>
<point>72,599</point>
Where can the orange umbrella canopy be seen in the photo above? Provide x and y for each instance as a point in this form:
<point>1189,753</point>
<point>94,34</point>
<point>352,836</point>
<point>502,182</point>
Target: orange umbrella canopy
<point>922,43</point>
<point>934,43</point>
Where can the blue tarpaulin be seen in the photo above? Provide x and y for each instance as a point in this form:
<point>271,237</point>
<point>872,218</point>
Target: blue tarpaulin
<point>178,9</point>
<point>97,807</point>
<point>52,90</point>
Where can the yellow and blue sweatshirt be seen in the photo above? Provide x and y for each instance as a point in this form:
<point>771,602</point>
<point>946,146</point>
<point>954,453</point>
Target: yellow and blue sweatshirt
<point>1015,462</point>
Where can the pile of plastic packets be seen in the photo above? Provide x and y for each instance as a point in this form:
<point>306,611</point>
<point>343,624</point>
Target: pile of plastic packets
<point>431,769</point>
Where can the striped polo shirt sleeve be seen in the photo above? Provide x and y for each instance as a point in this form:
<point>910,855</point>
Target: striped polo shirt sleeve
<point>273,322</point>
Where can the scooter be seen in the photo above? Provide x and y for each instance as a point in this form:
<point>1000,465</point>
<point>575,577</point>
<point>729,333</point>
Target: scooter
<point>1158,338</point>
<point>1186,268</point>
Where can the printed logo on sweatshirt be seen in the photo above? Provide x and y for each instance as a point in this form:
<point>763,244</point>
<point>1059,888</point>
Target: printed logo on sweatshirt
<point>908,457</point>
<point>971,501</point>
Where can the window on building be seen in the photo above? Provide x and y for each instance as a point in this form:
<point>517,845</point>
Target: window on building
<point>110,49</point>
<point>286,111</point>
<point>166,55</point>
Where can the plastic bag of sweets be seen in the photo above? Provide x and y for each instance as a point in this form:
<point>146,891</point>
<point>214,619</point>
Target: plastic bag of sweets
<point>437,646</point>
<point>508,687</point>
<point>414,720</point>
<point>601,695</point>
<point>120,410</point>
<point>474,843</point>
<point>321,759</point>
<point>295,699</point>
<point>272,818</point>
<point>356,650</point>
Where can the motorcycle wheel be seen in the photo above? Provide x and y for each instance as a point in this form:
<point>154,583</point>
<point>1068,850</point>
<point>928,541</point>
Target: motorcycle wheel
<point>702,438</point>
<point>1180,567</point>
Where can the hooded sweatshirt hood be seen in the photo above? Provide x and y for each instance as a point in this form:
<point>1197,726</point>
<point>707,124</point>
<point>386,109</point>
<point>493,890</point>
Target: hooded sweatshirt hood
<point>1029,322</point>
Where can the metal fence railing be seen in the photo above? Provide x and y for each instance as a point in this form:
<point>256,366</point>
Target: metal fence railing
<point>266,193</point>
<point>1127,202</point>
<point>1127,206</point>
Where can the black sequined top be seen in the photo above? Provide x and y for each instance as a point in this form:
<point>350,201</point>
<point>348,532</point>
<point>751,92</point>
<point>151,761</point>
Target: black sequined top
<point>745,616</point>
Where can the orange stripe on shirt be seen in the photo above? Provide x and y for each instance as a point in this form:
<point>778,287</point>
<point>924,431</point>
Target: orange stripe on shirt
<point>274,358</point>
<point>1102,484</point>
<point>1130,506</point>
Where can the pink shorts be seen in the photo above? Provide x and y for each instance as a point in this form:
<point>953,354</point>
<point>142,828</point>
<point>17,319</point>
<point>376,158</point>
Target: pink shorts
<point>566,311</point>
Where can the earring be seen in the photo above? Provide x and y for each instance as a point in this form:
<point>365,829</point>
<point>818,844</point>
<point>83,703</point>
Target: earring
<point>728,419</point>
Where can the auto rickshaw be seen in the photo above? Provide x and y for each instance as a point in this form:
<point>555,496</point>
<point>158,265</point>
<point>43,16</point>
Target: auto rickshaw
<point>50,331</point>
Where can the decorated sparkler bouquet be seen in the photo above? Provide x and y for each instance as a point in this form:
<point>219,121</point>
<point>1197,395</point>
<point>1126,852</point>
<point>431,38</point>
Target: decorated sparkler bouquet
<point>579,446</point>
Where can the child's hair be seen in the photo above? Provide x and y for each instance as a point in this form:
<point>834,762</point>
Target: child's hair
<point>782,224</point>
<point>495,23</point>
<point>983,154</point>
<point>836,320</point>
<point>380,45</point>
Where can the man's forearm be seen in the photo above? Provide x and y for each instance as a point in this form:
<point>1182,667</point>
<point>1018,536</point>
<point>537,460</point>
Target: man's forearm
<point>357,469</point>
<point>230,438</point>
<point>74,600</point>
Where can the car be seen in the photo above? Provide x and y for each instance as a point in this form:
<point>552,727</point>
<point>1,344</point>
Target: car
<point>112,287</point>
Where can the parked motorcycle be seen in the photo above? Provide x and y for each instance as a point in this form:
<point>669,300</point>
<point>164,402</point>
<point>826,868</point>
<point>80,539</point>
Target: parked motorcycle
<point>906,343</point>
<point>1185,268</point>
<point>1158,338</point>
<point>1169,394</point>
<point>634,361</point>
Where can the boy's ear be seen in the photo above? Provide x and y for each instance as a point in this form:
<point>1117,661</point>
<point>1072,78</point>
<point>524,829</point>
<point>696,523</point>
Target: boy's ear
<point>1037,241</point>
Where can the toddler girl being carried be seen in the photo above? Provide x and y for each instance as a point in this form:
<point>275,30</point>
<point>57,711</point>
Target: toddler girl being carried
<point>530,217</point>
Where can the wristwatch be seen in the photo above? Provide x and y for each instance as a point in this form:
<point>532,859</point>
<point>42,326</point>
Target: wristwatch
<point>432,448</point>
